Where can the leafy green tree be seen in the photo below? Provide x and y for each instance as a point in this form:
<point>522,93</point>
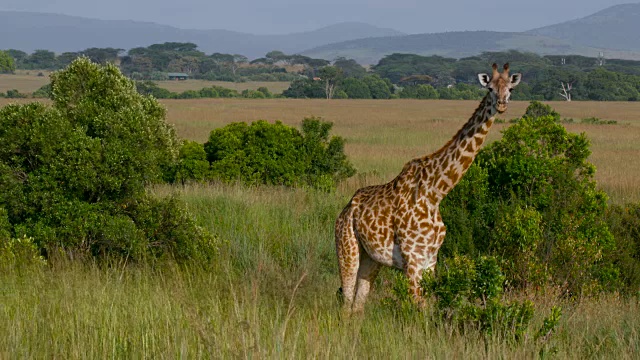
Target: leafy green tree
<point>18,56</point>
<point>7,64</point>
<point>378,88</point>
<point>73,175</point>
<point>350,68</point>
<point>42,59</point>
<point>419,92</point>
<point>331,76</point>
<point>102,55</point>
<point>355,88</point>
<point>63,60</point>
<point>192,163</point>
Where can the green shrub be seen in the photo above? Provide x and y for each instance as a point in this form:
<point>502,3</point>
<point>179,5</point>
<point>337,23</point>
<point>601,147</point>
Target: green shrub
<point>537,109</point>
<point>624,223</point>
<point>15,94</point>
<point>43,92</point>
<point>252,94</point>
<point>189,94</point>
<point>151,88</point>
<point>192,163</point>
<point>276,154</point>
<point>74,175</point>
<point>468,293</point>
<point>531,199</point>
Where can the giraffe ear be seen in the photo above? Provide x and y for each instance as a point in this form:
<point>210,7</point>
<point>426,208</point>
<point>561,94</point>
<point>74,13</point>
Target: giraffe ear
<point>515,79</point>
<point>484,79</point>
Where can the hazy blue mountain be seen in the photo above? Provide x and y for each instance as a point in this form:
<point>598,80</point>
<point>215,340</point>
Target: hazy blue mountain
<point>616,27</point>
<point>30,31</point>
<point>456,45</point>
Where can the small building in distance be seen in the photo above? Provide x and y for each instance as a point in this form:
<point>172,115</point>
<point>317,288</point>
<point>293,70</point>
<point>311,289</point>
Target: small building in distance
<point>178,76</point>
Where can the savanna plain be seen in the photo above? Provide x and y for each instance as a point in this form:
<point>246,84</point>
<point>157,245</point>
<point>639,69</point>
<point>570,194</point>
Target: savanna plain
<point>271,292</point>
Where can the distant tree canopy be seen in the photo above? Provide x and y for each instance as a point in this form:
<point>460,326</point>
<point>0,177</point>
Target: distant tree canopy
<point>404,75</point>
<point>7,64</point>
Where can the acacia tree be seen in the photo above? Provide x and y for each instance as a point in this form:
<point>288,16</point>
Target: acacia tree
<point>331,76</point>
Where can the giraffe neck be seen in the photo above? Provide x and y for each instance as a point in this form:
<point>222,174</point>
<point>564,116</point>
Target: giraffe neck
<point>455,157</point>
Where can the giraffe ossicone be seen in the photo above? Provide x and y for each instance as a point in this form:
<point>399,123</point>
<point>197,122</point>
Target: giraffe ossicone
<point>398,224</point>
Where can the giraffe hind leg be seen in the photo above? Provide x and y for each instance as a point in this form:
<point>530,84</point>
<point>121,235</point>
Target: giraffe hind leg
<point>367,272</point>
<point>348,251</point>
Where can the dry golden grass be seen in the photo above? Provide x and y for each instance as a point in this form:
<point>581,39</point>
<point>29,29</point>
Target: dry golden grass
<point>23,81</point>
<point>28,81</point>
<point>275,87</point>
<point>382,135</point>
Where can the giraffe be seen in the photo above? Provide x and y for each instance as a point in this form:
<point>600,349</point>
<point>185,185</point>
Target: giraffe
<point>398,224</point>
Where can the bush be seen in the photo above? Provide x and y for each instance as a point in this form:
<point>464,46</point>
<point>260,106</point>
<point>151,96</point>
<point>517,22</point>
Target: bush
<point>624,223</point>
<point>468,294</point>
<point>355,88</point>
<point>276,154</point>
<point>151,88</point>
<point>15,94</point>
<point>192,163</point>
<point>419,92</point>
<point>531,199</point>
<point>537,109</point>
<point>43,92</point>
<point>74,175</point>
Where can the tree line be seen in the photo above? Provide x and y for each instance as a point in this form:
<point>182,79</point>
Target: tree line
<point>552,77</point>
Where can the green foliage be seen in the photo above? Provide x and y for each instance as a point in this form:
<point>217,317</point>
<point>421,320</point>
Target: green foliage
<point>43,92</point>
<point>7,64</point>
<point>537,109</point>
<point>355,88</point>
<point>276,154</point>
<point>19,253</point>
<point>192,163</point>
<point>15,94</point>
<point>624,223</point>
<point>530,199</point>
<point>74,175</point>
<point>419,92</point>
<point>468,293</point>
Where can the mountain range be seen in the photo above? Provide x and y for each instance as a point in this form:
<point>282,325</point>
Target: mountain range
<point>612,31</point>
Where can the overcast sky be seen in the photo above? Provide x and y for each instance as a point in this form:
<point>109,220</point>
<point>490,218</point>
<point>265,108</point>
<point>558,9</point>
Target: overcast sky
<point>286,16</point>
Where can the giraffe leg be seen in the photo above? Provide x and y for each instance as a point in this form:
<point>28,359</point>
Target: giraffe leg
<point>413,271</point>
<point>348,251</point>
<point>367,273</point>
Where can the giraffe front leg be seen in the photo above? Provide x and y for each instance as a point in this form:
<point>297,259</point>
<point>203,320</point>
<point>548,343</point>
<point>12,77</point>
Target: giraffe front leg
<point>413,271</point>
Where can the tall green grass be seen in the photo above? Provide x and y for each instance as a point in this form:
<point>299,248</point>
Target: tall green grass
<point>270,294</point>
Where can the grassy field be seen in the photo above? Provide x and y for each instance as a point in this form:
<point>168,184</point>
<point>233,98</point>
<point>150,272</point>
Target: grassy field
<point>25,81</point>
<point>276,87</point>
<point>272,291</point>
<point>383,135</point>
<point>28,81</point>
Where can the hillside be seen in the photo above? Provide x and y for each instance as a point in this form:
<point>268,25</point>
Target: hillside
<point>456,45</point>
<point>616,27</point>
<point>60,33</point>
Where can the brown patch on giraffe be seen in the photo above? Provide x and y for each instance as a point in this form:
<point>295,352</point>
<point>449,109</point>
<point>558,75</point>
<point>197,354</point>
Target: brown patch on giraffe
<point>466,161</point>
<point>442,185</point>
<point>470,148</point>
<point>479,141</point>
<point>452,174</point>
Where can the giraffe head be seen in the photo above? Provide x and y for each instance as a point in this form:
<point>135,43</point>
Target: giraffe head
<point>500,86</point>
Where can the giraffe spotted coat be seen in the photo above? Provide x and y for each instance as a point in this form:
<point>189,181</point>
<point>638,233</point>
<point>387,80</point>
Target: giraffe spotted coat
<point>398,224</point>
